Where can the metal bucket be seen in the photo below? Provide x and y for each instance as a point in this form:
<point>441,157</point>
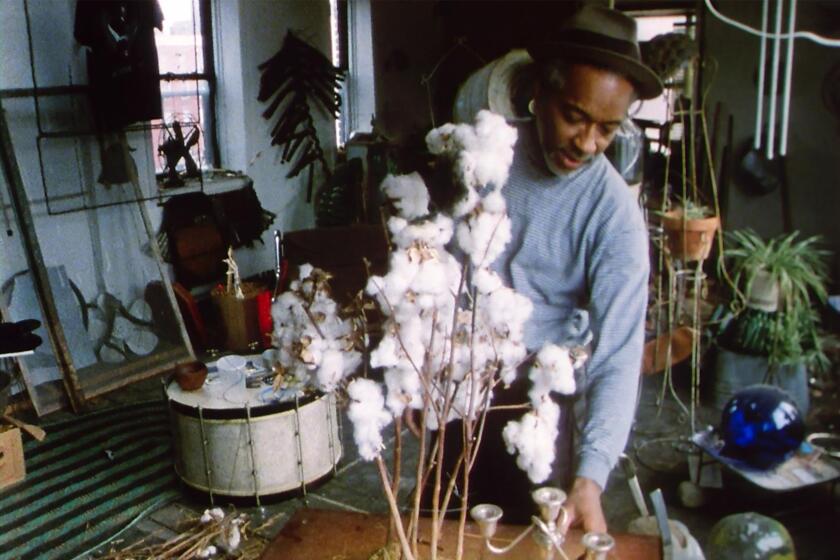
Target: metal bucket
<point>497,86</point>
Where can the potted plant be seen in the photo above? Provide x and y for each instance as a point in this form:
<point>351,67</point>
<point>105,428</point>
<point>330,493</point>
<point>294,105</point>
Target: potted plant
<point>690,231</point>
<point>773,335</point>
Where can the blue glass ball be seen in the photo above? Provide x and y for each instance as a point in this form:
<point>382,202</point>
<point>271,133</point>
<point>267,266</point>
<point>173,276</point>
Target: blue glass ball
<point>761,426</point>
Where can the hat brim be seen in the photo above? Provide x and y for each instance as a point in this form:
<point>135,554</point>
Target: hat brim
<point>647,83</point>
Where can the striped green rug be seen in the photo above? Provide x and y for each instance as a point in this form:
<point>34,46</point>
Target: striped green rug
<point>87,480</point>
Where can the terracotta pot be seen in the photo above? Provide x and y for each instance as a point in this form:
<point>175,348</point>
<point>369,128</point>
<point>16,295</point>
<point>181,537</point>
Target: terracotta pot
<point>190,376</point>
<point>689,240</point>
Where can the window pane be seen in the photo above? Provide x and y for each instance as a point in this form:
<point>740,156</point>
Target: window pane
<point>657,110</point>
<point>186,101</point>
<point>179,46</point>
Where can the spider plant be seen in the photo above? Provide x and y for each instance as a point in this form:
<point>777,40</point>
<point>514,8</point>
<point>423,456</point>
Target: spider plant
<point>694,211</point>
<point>798,267</point>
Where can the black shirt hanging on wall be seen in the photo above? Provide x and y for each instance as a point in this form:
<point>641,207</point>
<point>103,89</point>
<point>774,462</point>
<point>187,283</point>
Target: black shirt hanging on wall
<point>122,60</point>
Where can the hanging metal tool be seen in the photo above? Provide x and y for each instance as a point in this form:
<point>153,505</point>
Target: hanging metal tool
<point>281,265</point>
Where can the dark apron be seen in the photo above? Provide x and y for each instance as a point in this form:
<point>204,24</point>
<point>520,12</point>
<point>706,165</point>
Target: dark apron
<point>495,477</point>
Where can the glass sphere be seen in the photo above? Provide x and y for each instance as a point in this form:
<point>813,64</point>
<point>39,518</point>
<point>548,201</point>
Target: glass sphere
<point>761,426</point>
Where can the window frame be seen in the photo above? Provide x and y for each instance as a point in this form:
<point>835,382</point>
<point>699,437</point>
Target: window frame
<point>210,129</point>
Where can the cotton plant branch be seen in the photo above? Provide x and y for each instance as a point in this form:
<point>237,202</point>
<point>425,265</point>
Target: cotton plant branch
<point>436,370</point>
<point>234,281</point>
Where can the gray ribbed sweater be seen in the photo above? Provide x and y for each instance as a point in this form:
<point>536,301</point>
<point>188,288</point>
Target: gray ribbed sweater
<point>580,242</point>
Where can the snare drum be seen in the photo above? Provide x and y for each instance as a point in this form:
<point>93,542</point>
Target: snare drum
<point>239,441</point>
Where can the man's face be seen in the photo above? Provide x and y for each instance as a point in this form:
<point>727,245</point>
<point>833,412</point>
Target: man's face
<point>578,122</point>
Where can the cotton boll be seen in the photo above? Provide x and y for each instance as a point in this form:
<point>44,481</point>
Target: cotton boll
<point>445,228</point>
<point>409,194</point>
<point>331,370</point>
<point>404,390</point>
<point>230,538</point>
<point>424,232</point>
<point>412,339</point>
<point>497,138</point>
<point>396,225</point>
<point>492,128</point>
<point>207,552</point>
<point>214,514</point>
<point>552,371</point>
<point>466,203</point>
<point>352,361</point>
<point>532,439</point>
<point>491,168</point>
<point>431,278</point>
<point>305,271</point>
<point>464,169</point>
<point>494,203</point>
<point>386,353</point>
<point>368,415</point>
<point>486,281</point>
<point>469,398</point>
<point>510,354</point>
<point>439,140</point>
<point>483,237</point>
<point>506,310</point>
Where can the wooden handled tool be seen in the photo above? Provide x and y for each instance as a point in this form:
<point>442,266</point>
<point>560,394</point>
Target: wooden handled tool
<point>30,429</point>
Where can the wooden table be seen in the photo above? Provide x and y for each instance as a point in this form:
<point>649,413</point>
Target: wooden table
<point>314,534</point>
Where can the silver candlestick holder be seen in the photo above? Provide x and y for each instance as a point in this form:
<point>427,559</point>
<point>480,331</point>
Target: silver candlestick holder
<point>546,529</point>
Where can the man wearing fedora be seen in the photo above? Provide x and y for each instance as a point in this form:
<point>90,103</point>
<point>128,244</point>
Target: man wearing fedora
<point>579,251</point>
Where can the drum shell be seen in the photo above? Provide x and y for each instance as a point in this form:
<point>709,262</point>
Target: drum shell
<point>292,447</point>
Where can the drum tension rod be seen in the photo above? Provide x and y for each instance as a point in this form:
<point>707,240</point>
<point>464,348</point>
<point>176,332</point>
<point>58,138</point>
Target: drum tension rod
<point>300,450</point>
<point>204,444</point>
<point>253,455</point>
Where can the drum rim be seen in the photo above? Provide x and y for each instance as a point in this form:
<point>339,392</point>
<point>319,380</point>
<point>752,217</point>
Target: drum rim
<point>240,413</point>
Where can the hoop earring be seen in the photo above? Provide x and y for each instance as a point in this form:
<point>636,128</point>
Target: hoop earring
<point>531,107</point>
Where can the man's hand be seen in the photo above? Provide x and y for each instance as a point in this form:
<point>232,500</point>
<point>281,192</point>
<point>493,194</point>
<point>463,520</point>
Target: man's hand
<point>584,506</point>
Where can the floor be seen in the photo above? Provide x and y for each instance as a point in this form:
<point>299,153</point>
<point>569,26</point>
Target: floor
<point>656,447</point>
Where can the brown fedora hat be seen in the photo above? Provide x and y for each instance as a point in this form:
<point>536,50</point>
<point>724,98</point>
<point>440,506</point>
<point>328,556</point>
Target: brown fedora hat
<point>603,37</point>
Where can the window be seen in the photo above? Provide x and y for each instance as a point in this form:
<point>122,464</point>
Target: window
<point>352,39</point>
<point>185,59</point>
<point>649,26</point>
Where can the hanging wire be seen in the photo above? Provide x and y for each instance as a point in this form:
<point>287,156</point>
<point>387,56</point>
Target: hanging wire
<point>426,79</point>
<point>819,39</point>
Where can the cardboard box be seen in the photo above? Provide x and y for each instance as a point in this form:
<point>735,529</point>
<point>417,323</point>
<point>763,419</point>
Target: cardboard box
<point>12,467</point>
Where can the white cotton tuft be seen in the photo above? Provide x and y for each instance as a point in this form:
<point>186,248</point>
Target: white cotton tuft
<point>331,370</point>
<point>207,552</point>
<point>439,140</point>
<point>466,203</point>
<point>494,203</point>
<point>230,538</point>
<point>368,415</point>
<point>532,439</point>
<point>486,281</point>
<point>304,271</point>
<point>484,236</point>
<point>404,390</point>
<point>552,371</point>
<point>409,194</point>
<point>215,514</point>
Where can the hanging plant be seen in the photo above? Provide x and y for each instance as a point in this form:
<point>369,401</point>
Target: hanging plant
<point>786,329</point>
<point>297,77</point>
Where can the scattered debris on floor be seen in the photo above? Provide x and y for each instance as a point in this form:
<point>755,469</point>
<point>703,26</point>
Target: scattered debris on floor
<point>214,534</point>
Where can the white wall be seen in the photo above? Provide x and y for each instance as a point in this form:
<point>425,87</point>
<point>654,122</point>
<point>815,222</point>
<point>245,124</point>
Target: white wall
<point>253,38</point>
<point>249,32</point>
<point>813,165</point>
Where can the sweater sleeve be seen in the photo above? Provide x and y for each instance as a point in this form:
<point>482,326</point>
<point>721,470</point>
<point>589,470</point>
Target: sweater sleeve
<point>618,290</point>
